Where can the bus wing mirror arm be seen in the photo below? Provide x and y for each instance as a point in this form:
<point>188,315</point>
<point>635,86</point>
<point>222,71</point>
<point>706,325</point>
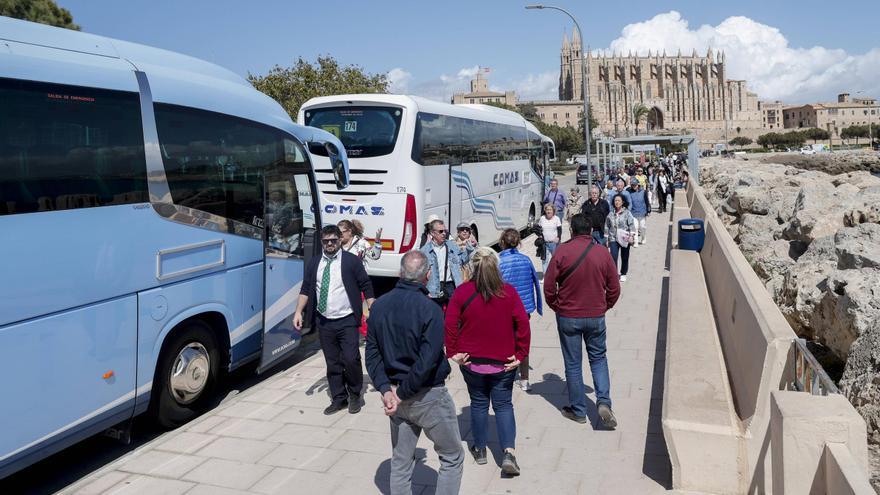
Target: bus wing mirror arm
<point>338,160</point>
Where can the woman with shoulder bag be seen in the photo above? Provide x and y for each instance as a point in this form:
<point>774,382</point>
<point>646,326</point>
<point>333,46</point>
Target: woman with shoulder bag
<point>487,334</point>
<point>621,228</point>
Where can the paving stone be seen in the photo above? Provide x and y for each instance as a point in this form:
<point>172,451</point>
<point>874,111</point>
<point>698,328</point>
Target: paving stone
<point>185,442</point>
<point>228,474</point>
<point>309,416</point>
<point>101,483</point>
<point>252,410</point>
<point>287,481</point>
<point>237,449</point>
<point>215,490</point>
<point>162,464</point>
<point>247,428</point>
<point>266,395</point>
<point>204,424</point>
<point>302,457</point>
<point>312,436</point>
<point>364,441</point>
<point>359,465</point>
<point>140,484</point>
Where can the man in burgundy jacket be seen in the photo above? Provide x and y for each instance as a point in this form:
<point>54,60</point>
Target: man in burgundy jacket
<point>580,292</point>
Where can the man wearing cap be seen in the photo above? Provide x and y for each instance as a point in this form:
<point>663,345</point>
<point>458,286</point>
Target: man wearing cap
<point>640,207</point>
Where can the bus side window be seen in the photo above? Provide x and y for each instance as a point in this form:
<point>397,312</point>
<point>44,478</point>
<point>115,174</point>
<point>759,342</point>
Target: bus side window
<point>68,147</point>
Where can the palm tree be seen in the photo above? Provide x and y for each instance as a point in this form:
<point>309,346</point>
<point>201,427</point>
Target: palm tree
<point>639,110</point>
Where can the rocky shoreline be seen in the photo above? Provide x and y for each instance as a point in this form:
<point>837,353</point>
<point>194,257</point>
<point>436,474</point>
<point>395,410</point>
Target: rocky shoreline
<point>814,239</point>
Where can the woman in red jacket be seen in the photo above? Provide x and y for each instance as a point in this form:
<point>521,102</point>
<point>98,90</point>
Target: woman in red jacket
<point>487,334</point>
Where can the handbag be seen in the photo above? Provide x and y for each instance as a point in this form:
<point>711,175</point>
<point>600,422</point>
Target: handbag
<point>623,238</point>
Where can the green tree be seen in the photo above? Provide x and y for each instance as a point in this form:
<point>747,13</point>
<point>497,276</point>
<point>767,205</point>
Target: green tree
<point>293,86</point>
<point>594,124</point>
<point>639,110</point>
<point>42,11</point>
<point>854,131</point>
<point>816,134</point>
<point>768,140</point>
<point>740,141</point>
<point>529,112</point>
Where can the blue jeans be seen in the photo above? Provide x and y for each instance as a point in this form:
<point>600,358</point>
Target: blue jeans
<point>496,388</point>
<point>592,332</point>
<point>599,237</point>
<point>551,248</point>
<point>560,213</point>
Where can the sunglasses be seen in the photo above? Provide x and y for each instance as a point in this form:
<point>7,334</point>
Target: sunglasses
<point>329,241</point>
<point>439,231</point>
<point>464,229</point>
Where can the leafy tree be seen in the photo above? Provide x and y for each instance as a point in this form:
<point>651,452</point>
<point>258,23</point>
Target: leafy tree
<point>639,110</point>
<point>529,112</point>
<point>42,11</point>
<point>594,124</point>
<point>854,131</point>
<point>566,139</point>
<point>792,139</point>
<point>740,141</point>
<point>293,86</point>
<point>816,134</point>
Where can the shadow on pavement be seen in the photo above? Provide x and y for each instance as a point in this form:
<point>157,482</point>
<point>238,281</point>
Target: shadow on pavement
<point>554,390</point>
<point>422,474</point>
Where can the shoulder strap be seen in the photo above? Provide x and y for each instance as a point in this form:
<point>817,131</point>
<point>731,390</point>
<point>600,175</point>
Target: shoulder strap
<point>464,307</point>
<point>576,264</point>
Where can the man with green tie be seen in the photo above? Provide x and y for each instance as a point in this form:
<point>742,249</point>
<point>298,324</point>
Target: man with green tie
<point>335,282</point>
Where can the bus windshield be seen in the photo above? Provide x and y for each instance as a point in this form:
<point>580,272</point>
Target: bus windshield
<point>364,131</point>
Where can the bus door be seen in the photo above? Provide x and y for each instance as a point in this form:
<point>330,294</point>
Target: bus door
<point>289,241</point>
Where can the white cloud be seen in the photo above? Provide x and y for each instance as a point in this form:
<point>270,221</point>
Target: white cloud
<point>543,86</point>
<point>398,81</point>
<point>761,55</point>
<point>468,72</point>
<point>441,88</point>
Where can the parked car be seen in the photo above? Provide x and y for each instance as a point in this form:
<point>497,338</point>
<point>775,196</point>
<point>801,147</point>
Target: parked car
<point>583,176</point>
<point>807,150</point>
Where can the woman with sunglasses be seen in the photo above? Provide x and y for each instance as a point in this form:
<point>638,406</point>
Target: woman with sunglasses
<point>467,244</point>
<point>352,241</point>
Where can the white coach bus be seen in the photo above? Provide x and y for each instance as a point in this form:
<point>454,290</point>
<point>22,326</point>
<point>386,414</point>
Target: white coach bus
<point>411,157</point>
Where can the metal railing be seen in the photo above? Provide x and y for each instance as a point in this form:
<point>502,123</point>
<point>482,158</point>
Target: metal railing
<point>808,374</point>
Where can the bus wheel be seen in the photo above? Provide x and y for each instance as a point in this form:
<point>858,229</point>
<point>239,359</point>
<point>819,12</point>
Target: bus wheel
<point>185,376</point>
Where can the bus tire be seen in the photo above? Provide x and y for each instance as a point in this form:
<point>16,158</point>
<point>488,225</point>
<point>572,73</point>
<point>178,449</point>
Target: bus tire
<point>187,371</point>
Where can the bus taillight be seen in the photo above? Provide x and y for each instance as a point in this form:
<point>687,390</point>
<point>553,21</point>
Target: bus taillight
<point>409,224</point>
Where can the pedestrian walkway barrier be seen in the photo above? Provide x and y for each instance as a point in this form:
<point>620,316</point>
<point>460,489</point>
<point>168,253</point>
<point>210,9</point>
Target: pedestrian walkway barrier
<point>787,441</point>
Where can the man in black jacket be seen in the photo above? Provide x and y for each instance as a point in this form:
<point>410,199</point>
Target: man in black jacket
<point>596,210</point>
<point>335,281</point>
<point>406,362</point>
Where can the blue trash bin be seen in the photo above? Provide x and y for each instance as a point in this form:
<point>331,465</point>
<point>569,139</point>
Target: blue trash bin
<point>691,235</point>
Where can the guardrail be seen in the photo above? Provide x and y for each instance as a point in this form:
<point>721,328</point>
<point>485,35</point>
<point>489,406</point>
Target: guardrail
<point>809,376</point>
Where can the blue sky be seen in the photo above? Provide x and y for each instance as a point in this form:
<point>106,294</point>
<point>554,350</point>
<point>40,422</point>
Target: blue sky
<point>790,50</point>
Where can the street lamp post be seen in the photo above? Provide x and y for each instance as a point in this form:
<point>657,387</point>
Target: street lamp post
<point>584,74</point>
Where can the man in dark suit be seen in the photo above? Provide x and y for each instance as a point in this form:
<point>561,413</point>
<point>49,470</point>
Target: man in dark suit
<point>334,282</point>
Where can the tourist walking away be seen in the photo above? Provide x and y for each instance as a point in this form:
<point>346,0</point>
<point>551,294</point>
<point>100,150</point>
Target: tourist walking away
<point>517,270</point>
<point>596,210</point>
<point>621,227</point>
<point>487,335</point>
<point>574,202</point>
<point>640,209</point>
<point>467,244</point>
<point>445,260</point>
<point>555,197</point>
<point>334,282</point>
<point>581,286</point>
<point>663,185</point>
<point>551,229</point>
<point>353,241</point>
<point>406,364</point>
<point>619,190</point>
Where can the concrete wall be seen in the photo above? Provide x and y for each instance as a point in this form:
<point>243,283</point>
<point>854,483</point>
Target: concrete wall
<point>756,341</point>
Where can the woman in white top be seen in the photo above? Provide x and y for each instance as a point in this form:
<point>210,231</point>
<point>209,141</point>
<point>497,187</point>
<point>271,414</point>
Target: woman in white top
<point>621,228</point>
<point>353,241</point>
<point>551,228</point>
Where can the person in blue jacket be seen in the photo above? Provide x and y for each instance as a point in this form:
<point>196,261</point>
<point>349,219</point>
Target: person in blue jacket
<point>517,270</point>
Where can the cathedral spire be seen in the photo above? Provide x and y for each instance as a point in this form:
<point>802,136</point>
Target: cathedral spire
<point>565,43</point>
<point>576,38</point>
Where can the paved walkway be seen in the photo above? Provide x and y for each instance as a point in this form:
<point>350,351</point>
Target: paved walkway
<point>273,438</point>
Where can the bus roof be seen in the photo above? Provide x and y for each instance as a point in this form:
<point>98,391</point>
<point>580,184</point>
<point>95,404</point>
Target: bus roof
<point>174,78</point>
<point>420,104</point>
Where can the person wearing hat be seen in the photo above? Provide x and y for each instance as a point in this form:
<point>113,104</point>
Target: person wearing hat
<point>640,207</point>
<point>426,234</point>
<point>466,242</point>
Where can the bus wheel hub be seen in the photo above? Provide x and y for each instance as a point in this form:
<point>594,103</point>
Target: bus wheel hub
<point>189,374</point>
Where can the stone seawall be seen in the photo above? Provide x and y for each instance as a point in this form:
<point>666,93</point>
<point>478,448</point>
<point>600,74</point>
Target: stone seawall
<point>814,240</point>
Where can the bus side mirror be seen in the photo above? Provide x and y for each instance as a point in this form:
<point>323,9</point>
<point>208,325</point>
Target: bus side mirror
<point>339,165</point>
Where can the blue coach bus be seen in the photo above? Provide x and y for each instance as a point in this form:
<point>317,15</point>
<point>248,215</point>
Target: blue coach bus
<point>156,212</point>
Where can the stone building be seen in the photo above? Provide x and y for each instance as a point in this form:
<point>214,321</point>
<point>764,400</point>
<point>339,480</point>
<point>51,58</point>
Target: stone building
<point>835,116</point>
<point>682,93</point>
<point>480,93</point>
<point>771,114</point>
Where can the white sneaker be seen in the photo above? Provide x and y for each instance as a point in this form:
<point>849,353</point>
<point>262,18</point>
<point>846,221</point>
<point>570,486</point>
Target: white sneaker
<point>524,385</point>
<point>644,242</point>
<point>623,278</point>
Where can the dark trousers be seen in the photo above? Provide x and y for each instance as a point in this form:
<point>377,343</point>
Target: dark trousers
<point>339,341</point>
<point>661,199</point>
<point>448,289</point>
<point>624,256</point>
